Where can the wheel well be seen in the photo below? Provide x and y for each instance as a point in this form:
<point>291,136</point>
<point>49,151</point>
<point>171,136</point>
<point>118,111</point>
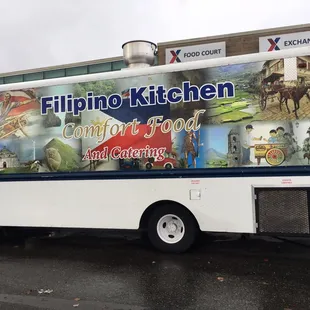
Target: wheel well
<point>146,214</point>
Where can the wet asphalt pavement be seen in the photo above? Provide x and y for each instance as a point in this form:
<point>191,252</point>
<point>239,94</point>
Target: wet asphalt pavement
<point>90,273</point>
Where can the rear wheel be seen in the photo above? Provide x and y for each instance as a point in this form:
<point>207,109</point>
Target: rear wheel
<point>148,166</point>
<point>172,228</point>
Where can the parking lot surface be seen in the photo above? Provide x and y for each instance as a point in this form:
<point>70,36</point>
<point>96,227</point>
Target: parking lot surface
<point>103,273</point>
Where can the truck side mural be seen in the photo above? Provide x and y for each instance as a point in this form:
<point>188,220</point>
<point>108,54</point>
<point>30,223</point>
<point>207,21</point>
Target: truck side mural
<point>243,115</point>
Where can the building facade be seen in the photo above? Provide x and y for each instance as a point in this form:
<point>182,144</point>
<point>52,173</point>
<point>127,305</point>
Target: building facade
<point>239,43</point>
<point>87,67</point>
<point>273,70</point>
<point>8,159</point>
<point>218,46</point>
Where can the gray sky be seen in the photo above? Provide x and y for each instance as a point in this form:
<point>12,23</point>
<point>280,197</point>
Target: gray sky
<point>39,33</point>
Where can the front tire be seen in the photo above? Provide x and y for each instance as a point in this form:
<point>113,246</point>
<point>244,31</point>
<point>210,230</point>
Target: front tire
<point>172,229</point>
<point>168,166</point>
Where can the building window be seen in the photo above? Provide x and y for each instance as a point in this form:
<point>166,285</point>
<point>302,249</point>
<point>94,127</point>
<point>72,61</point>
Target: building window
<point>118,65</point>
<point>301,64</point>
<point>33,76</point>
<point>97,68</point>
<point>13,79</point>
<point>54,74</point>
<point>76,71</point>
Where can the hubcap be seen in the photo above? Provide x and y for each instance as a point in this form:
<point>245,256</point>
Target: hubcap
<point>170,229</point>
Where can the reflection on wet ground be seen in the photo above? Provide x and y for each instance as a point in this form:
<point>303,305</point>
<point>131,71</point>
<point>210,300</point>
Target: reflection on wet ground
<point>96,273</point>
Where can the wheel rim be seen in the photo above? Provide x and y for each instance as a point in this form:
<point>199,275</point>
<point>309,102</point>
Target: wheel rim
<point>170,229</point>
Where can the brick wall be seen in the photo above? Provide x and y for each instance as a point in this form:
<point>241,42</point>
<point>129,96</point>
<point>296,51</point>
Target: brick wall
<point>236,44</point>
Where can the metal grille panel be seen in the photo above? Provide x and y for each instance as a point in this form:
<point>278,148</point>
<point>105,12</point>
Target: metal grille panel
<point>283,211</point>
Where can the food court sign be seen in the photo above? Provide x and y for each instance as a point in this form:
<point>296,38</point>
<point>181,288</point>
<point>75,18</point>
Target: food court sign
<point>195,52</point>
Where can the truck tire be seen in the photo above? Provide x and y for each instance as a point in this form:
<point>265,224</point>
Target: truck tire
<point>148,166</point>
<point>172,228</point>
<point>168,166</point>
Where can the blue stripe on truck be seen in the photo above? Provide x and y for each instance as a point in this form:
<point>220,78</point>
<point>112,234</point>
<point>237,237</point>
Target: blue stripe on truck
<point>158,174</point>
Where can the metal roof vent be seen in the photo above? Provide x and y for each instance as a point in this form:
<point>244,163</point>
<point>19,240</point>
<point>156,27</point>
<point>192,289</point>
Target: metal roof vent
<point>139,53</point>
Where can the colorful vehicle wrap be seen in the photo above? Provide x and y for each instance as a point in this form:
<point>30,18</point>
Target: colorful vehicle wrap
<point>240,115</point>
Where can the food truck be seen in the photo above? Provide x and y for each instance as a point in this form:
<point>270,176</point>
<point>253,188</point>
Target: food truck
<point>170,150</point>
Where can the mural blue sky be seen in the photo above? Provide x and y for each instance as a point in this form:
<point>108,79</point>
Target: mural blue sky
<point>217,138</point>
<point>53,32</point>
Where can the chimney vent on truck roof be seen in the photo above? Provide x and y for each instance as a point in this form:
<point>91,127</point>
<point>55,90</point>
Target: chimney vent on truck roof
<point>139,53</point>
